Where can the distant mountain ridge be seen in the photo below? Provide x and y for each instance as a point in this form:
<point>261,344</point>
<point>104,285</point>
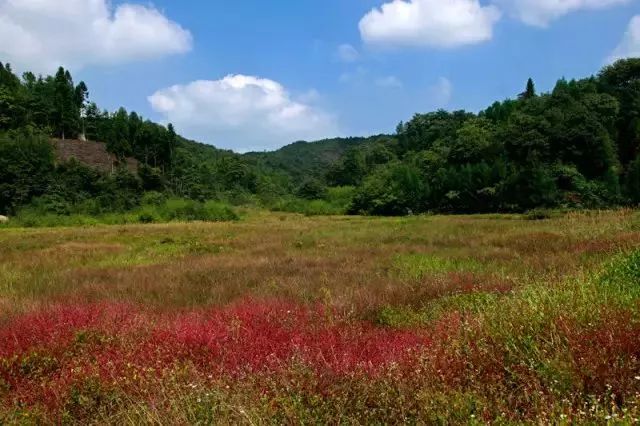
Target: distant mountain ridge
<point>309,159</point>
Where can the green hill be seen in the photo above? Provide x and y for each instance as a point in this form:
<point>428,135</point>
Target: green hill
<point>303,160</point>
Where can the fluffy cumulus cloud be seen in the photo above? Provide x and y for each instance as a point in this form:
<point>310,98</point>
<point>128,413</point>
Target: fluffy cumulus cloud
<point>542,12</point>
<point>243,113</point>
<point>629,47</point>
<point>429,23</point>
<point>43,34</point>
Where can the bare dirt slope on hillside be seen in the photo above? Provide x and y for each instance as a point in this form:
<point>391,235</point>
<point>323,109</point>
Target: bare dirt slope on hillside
<point>92,154</point>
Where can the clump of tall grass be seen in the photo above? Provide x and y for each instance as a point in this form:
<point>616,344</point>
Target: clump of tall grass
<point>153,208</point>
<point>179,209</point>
<point>336,201</point>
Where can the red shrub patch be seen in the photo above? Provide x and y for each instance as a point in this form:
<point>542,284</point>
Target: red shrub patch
<point>608,245</point>
<point>607,355</point>
<point>45,355</point>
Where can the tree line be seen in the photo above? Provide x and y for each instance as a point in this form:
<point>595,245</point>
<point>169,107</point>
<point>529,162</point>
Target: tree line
<point>576,146</point>
<point>60,109</point>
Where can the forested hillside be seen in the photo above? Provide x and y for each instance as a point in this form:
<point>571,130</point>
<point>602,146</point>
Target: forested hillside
<point>575,147</point>
<point>35,109</point>
<point>304,160</point>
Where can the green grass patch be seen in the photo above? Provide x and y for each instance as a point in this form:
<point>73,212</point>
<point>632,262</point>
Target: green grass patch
<point>407,317</point>
<point>529,309</point>
<point>308,207</point>
<point>417,266</point>
<point>152,210</point>
<point>336,202</point>
<point>150,253</point>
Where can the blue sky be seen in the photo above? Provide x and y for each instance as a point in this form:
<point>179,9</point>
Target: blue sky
<point>311,69</point>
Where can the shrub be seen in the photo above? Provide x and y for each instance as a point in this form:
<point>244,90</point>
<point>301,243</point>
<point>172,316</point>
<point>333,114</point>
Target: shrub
<point>182,209</point>
<point>581,192</point>
<point>175,209</point>
<point>216,211</point>
<point>341,196</point>
<point>539,214</point>
<point>211,211</point>
<point>237,198</point>
<point>153,198</point>
<point>308,207</point>
<point>312,189</point>
<point>393,190</point>
<point>50,204</point>
<point>31,219</point>
<point>147,216</point>
<point>321,208</point>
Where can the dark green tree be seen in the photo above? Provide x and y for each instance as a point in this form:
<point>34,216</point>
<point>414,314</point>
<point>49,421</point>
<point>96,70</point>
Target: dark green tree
<point>622,80</point>
<point>26,167</point>
<point>633,182</point>
<point>66,112</point>
<point>395,189</point>
<point>530,91</point>
<point>118,141</point>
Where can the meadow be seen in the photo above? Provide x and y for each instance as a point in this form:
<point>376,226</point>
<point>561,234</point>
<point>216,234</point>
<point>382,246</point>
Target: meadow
<point>279,318</point>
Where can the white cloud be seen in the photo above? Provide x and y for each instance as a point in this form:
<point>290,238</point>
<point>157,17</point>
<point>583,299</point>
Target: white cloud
<point>429,23</point>
<point>242,113</point>
<point>630,45</point>
<point>441,93</point>
<point>43,34</point>
<point>348,53</point>
<point>391,82</point>
<point>541,12</point>
<point>357,76</point>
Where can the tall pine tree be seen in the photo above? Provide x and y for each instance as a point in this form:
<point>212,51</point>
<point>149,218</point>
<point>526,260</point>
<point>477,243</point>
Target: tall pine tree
<point>530,91</point>
<point>66,113</point>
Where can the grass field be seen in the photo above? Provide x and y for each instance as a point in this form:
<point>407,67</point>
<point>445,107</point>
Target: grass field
<point>280,318</point>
